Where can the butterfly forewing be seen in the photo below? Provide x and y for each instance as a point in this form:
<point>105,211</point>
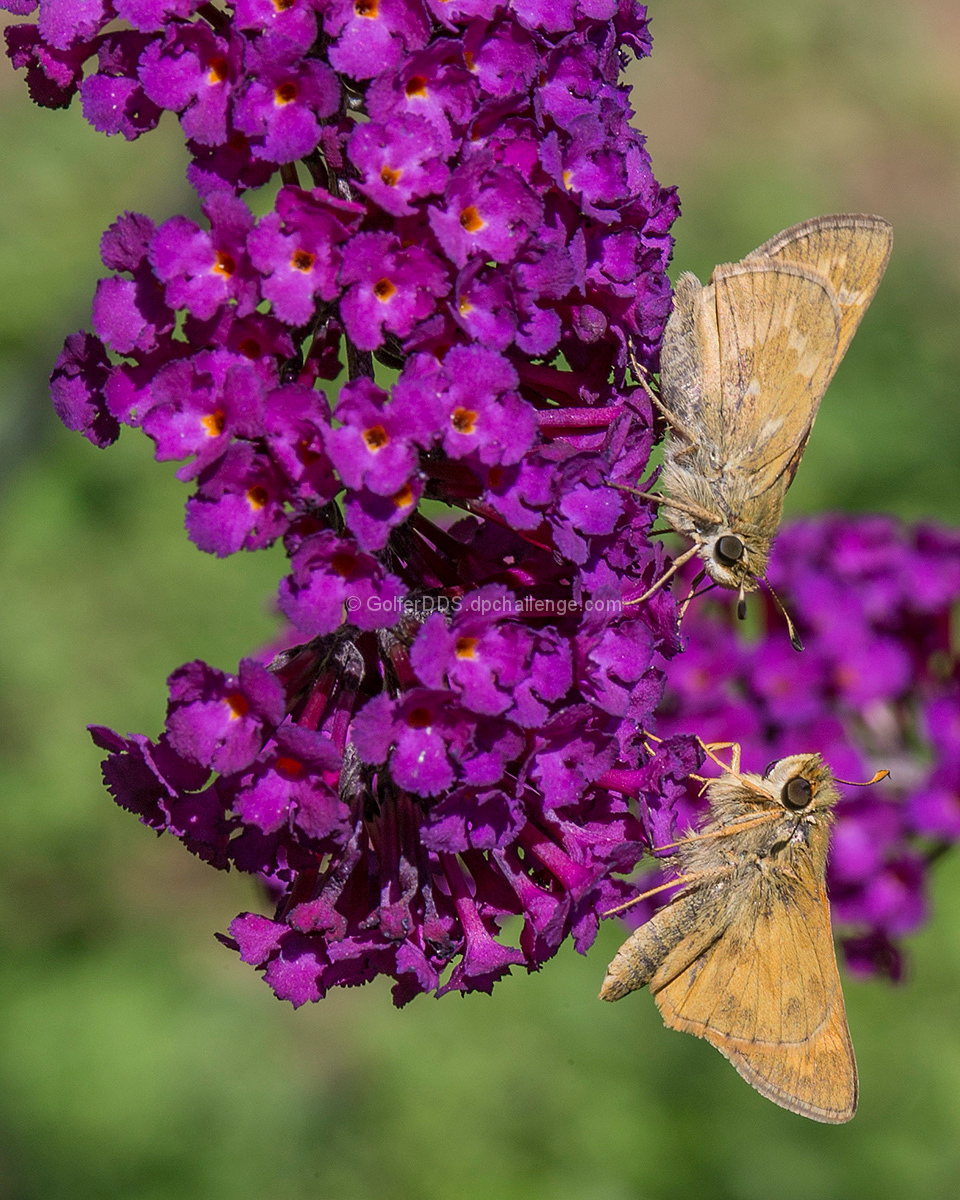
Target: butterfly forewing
<point>778,328</point>
<point>767,995</point>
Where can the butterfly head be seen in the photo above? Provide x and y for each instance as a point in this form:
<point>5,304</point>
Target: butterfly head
<point>801,783</point>
<point>733,560</point>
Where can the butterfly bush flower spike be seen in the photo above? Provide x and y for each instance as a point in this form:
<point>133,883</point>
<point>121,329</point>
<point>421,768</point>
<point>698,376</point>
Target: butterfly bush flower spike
<point>442,773</point>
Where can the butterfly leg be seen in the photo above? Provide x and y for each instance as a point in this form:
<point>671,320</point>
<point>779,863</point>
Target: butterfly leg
<point>669,573</point>
<point>710,748</point>
<point>673,421</point>
<point>687,506</point>
<point>694,877</point>
<point>690,595</point>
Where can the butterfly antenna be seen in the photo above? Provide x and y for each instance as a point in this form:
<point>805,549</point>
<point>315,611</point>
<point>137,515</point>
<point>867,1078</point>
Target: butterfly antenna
<point>791,628</point>
<point>883,774</point>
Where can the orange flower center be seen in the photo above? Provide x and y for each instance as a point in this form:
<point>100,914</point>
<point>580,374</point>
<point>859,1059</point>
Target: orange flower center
<point>213,423</point>
<point>217,70</point>
<point>344,564</point>
<point>403,498</point>
<point>463,420</point>
<point>420,718</point>
<point>291,767</point>
<point>302,260</point>
<point>471,220</point>
<point>225,264</point>
<point>375,437</point>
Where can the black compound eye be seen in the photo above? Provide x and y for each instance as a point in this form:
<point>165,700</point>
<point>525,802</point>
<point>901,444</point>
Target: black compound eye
<point>729,549</point>
<point>797,793</point>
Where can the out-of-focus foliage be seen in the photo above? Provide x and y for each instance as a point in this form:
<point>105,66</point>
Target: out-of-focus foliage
<point>139,1060</point>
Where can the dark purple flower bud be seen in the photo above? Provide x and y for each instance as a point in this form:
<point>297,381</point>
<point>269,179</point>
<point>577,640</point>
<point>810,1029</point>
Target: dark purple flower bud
<point>76,387</point>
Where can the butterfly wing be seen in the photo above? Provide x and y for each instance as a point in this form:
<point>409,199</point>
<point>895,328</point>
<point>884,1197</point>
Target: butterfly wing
<point>778,328</point>
<point>777,324</point>
<point>767,995</point>
<point>851,250</point>
<point>690,365</point>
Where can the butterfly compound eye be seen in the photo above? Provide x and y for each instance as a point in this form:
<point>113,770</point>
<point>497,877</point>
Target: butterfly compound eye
<point>729,549</point>
<point>797,793</point>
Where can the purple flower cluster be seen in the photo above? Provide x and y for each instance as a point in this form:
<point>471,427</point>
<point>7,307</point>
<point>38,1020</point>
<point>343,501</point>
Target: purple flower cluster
<point>878,686</point>
<point>453,732</point>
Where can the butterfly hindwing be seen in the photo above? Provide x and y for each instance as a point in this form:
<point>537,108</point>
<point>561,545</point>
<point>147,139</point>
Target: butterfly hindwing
<point>851,250</point>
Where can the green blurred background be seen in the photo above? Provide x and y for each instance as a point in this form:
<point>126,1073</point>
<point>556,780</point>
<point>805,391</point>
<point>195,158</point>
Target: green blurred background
<point>141,1060</point>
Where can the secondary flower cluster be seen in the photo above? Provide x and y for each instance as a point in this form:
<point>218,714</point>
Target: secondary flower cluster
<point>877,686</point>
<point>463,199</point>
